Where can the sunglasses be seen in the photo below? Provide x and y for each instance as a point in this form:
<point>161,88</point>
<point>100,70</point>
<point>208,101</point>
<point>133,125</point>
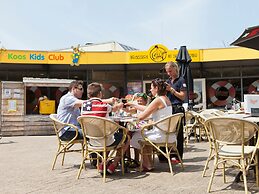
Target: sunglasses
<point>80,89</point>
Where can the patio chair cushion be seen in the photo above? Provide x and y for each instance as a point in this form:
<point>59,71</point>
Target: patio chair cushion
<point>235,150</point>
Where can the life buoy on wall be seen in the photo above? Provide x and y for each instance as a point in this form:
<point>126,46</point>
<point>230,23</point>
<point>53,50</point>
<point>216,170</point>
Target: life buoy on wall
<point>110,90</point>
<point>59,93</point>
<point>253,87</point>
<point>197,96</point>
<point>221,93</point>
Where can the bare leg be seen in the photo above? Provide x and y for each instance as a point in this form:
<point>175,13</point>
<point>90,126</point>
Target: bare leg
<point>147,158</point>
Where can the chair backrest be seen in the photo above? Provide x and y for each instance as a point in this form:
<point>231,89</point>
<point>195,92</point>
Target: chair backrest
<point>227,130</point>
<point>97,127</point>
<point>58,125</point>
<point>190,117</point>
<point>169,124</point>
<point>204,115</point>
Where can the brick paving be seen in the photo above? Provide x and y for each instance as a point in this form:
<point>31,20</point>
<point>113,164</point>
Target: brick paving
<point>25,167</point>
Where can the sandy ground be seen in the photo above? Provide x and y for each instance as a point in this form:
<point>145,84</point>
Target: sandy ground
<point>25,167</point>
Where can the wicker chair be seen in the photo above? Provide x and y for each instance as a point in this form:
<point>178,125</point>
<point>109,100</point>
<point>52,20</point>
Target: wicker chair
<point>65,146</point>
<point>203,116</point>
<point>190,126</point>
<point>230,137</point>
<point>100,129</point>
<point>169,125</point>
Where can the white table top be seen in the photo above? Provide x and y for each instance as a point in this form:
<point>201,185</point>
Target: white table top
<point>247,117</point>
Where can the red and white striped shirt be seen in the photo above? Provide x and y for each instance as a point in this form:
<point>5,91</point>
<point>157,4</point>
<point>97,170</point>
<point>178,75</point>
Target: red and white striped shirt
<point>96,107</point>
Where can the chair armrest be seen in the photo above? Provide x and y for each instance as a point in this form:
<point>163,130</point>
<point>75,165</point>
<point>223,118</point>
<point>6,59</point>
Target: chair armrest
<point>146,126</point>
<point>69,125</point>
<point>73,126</point>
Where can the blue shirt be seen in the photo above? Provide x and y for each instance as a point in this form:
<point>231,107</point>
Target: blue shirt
<point>66,112</point>
<point>179,85</point>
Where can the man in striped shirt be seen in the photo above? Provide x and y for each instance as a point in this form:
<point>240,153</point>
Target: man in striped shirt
<point>96,106</point>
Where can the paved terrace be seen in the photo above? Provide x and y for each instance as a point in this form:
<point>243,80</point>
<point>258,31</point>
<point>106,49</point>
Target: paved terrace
<point>25,164</point>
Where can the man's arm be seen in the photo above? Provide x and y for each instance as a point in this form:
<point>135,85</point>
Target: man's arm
<point>111,100</point>
<point>78,103</point>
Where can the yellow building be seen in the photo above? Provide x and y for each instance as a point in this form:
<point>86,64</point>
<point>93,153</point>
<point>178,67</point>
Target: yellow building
<point>220,74</point>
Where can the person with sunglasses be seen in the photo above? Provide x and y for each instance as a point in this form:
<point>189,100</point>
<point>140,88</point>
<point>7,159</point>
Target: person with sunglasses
<point>69,109</point>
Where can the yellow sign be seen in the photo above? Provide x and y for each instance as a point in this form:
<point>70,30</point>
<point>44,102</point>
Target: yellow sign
<point>156,54</point>
<point>159,54</point>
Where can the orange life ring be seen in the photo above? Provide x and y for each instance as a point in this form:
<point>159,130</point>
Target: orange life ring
<point>110,90</point>
<point>59,93</point>
<point>253,87</point>
<point>221,93</point>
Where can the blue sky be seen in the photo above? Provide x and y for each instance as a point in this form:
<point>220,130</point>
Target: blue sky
<point>55,24</point>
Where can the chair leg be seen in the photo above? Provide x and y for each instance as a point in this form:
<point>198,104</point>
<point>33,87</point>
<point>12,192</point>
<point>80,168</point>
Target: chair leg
<point>224,174</point>
<point>207,163</point>
<point>104,166</point>
<point>153,156</point>
<point>55,158</point>
<point>169,160</point>
<point>82,166</point>
<point>195,135</point>
<point>141,159</point>
<point>80,169</point>
<point>213,174</point>
<point>83,154</point>
<point>186,136</point>
<point>256,170</point>
<point>63,157</point>
<point>244,175</point>
<point>122,161</point>
<point>178,155</point>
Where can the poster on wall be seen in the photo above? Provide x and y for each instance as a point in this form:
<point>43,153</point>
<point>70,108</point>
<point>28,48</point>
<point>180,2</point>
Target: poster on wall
<point>134,87</point>
<point>7,93</point>
<point>17,93</point>
<point>12,105</point>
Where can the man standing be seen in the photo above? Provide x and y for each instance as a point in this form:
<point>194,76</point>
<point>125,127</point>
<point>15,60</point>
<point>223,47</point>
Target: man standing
<point>68,110</point>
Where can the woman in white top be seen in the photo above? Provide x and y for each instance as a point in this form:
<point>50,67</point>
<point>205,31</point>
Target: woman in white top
<point>159,108</point>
